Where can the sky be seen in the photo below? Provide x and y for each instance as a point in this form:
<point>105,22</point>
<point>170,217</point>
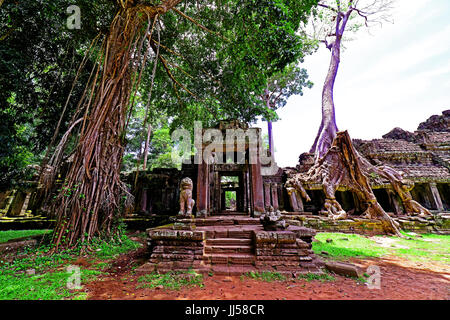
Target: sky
<point>398,75</point>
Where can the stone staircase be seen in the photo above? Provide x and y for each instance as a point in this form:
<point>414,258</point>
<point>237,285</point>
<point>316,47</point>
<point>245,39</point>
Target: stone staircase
<point>229,245</point>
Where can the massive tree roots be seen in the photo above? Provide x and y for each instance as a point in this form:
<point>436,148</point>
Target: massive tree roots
<point>342,166</point>
<point>92,194</point>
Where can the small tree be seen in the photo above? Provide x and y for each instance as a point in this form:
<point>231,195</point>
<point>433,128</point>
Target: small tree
<point>337,162</point>
<point>280,87</point>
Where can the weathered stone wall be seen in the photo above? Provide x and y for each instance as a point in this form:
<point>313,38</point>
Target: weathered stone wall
<point>283,251</point>
<point>174,250</point>
<point>156,191</point>
<point>438,224</point>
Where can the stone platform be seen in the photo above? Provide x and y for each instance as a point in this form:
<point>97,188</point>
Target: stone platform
<point>230,245</point>
<point>439,223</point>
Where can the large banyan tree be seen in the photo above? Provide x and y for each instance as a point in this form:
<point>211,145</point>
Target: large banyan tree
<point>337,164</point>
<point>216,53</point>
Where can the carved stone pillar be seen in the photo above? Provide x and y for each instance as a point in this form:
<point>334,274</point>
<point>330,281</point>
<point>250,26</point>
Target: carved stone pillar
<point>274,190</point>
<point>216,205</point>
<point>300,207</point>
<point>293,201</point>
<point>17,203</point>
<point>23,211</point>
<point>202,189</point>
<point>257,189</point>
<point>266,194</point>
<point>398,210</point>
<point>281,205</point>
<point>436,197</point>
<point>143,204</point>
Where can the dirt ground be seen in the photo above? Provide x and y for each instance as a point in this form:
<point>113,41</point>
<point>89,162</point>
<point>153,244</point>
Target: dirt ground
<point>401,279</point>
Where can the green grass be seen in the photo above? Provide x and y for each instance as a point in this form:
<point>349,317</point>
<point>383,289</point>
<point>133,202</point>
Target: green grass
<point>276,276</point>
<point>355,246</point>
<point>50,277</point>
<point>45,286</point>
<point>107,250</point>
<point>171,280</point>
<point>312,276</point>
<point>419,248</point>
<point>427,247</point>
<point>5,236</point>
<point>264,276</point>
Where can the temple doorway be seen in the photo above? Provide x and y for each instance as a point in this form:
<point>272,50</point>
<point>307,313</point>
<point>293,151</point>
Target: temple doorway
<point>231,193</point>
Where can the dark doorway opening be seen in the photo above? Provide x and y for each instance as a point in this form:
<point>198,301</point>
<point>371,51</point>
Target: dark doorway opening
<point>230,194</point>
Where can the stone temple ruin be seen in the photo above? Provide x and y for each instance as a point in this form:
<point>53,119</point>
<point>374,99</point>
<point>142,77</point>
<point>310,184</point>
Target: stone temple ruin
<point>268,228</point>
<point>217,239</point>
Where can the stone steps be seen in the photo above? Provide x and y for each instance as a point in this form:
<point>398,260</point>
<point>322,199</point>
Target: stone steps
<point>232,213</point>
<point>224,221</point>
<point>232,270</point>
<point>232,246</point>
<point>219,233</point>
<point>229,259</point>
<point>228,249</point>
<point>228,241</point>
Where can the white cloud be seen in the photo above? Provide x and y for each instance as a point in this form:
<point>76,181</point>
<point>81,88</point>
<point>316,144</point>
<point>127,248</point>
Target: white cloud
<point>389,79</point>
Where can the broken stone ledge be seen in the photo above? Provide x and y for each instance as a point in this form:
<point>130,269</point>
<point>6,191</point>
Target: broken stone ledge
<point>439,224</point>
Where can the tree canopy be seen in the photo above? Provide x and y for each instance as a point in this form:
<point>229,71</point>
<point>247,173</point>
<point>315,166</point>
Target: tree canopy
<point>191,60</point>
<point>215,60</point>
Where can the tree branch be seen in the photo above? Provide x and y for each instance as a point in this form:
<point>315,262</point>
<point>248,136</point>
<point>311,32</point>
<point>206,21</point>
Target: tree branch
<point>199,24</point>
<point>327,7</point>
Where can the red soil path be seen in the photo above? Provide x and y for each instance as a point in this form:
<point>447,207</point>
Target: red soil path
<point>400,279</point>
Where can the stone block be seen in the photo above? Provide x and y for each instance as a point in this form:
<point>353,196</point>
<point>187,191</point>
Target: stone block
<point>302,244</point>
<point>343,268</point>
<point>265,236</point>
<point>198,235</point>
<point>285,237</point>
<point>159,234</point>
<point>302,231</point>
<point>185,235</point>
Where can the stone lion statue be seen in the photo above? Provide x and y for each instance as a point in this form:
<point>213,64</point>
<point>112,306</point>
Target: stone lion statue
<point>186,201</point>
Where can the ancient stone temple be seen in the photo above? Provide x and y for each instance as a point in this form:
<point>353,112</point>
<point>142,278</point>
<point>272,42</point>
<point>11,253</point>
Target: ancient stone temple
<point>423,157</point>
<point>234,240</point>
<point>230,238</point>
<point>253,183</point>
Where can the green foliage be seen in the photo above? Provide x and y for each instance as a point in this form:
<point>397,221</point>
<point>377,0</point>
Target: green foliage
<point>264,276</point>
<point>355,246</point>
<point>283,84</point>
<point>16,234</point>
<point>427,247</point>
<point>227,69</point>
<point>39,58</point>
<point>40,258</point>
<point>313,276</point>
<point>171,280</point>
<point>45,286</point>
<point>49,279</point>
<point>109,250</point>
<point>424,247</point>
<point>230,196</point>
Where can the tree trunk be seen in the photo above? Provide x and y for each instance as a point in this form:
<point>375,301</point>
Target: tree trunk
<point>269,129</point>
<point>147,142</point>
<point>328,128</point>
<point>337,163</point>
<point>90,200</point>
